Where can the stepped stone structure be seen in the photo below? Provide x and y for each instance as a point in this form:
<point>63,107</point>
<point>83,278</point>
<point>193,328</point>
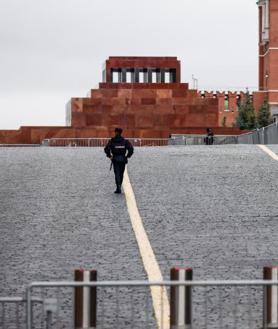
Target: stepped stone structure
<point>145,96</point>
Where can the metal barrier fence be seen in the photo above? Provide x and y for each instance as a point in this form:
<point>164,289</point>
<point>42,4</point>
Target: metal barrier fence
<point>13,313</point>
<point>215,304</point>
<point>266,135</point>
<point>200,140</point>
<point>101,142</point>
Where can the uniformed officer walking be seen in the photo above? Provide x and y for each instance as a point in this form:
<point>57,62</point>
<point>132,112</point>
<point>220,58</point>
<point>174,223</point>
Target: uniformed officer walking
<point>118,150</point>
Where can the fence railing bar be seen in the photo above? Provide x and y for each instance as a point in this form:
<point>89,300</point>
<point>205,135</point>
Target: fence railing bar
<point>131,309</point>
<point>3,315</point>
<point>117,307</point>
<point>42,293</point>
<point>19,300</point>
<point>107,138</point>
<point>17,315</point>
<point>235,295</point>
<point>147,310</point>
<point>102,313</point>
<point>59,320</point>
<point>153,283</point>
<point>264,307</point>
<point>220,307</point>
<point>206,307</point>
<point>101,142</point>
<point>249,307</point>
<point>29,307</point>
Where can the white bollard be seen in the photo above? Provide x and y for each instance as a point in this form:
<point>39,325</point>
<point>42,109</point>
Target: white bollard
<point>181,300</point>
<point>85,301</point>
<point>271,298</point>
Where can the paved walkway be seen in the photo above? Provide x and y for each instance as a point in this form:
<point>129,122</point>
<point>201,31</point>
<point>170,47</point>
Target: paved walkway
<point>211,208</point>
<point>58,214</point>
<point>214,209</point>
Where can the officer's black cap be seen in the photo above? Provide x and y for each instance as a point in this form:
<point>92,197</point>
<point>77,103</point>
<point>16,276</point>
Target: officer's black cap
<point>118,130</point>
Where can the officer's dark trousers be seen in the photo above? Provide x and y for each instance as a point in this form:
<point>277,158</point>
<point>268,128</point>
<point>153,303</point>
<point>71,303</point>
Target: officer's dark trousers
<point>209,140</point>
<point>119,169</point>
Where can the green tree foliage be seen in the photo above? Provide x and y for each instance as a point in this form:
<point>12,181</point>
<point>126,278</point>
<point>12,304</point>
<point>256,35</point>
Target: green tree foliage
<point>246,115</point>
<point>264,116</point>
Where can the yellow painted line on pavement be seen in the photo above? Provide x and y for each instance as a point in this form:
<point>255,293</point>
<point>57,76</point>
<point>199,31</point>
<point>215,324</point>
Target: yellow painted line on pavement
<point>269,152</point>
<point>159,294</point>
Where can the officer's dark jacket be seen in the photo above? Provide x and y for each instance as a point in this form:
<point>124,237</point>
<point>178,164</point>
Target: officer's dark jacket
<point>120,148</point>
<point>210,133</point>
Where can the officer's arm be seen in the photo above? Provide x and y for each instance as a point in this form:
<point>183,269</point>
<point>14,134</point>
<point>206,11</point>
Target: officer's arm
<point>107,149</point>
<point>129,148</point>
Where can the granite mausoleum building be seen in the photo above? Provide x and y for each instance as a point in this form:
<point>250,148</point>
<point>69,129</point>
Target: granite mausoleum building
<point>146,97</point>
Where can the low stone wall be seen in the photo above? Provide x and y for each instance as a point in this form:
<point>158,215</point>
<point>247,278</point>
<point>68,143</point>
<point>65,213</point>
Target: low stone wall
<point>35,135</point>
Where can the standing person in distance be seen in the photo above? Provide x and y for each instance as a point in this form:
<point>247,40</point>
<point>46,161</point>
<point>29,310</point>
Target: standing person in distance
<point>210,137</point>
<point>118,150</point>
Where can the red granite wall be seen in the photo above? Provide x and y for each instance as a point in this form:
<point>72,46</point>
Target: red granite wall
<point>141,62</point>
<point>147,110</point>
<point>35,135</point>
<point>144,106</point>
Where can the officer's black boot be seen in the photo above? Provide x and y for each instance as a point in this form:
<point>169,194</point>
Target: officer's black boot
<point>118,190</point>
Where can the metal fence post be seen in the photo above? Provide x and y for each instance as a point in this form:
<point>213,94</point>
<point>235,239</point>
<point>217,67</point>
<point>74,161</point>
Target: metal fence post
<point>50,306</point>
<point>85,300</point>
<point>263,135</point>
<point>271,298</point>
<point>48,320</point>
<point>181,300</point>
<point>29,307</point>
<point>258,136</point>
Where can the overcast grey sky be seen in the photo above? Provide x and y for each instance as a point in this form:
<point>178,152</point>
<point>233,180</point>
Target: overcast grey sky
<point>53,50</point>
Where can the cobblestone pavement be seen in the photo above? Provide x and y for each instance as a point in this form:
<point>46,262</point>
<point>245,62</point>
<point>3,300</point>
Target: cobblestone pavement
<point>58,213</point>
<point>273,148</point>
<point>213,208</point>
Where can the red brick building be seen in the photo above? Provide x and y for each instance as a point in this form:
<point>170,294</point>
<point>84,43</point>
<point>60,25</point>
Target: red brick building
<point>228,105</point>
<point>268,53</point>
<point>228,102</point>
